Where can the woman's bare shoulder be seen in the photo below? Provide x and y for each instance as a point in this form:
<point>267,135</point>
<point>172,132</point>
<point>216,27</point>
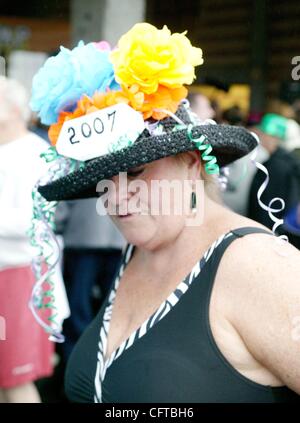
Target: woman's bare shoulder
<point>259,276</point>
<point>261,252</point>
<point>226,220</point>
<point>235,220</point>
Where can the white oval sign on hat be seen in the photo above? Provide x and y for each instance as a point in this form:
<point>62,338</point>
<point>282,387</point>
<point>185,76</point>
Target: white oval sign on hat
<point>99,133</point>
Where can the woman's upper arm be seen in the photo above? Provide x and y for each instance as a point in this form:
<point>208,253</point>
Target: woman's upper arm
<point>266,312</point>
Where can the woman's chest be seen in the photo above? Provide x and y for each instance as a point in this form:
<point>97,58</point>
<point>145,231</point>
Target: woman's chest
<point>136,300</point>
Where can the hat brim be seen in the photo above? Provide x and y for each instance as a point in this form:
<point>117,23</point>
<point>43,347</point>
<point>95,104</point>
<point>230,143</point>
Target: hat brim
<point>229,143</point>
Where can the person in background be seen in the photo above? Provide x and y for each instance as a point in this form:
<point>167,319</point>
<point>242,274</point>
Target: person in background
<point>233,116</point>
<point>283,168</point>
<point>291,142</point>
<point>217,111</point>
<point>25,352</point>
<point>280,107</point>
<point>292,225</point>
<point>242,171</point>
<point>239,180</point>
<point>296,108</point>
<point>92,250</point>
<point>37,128</point>
<point>201,105</point>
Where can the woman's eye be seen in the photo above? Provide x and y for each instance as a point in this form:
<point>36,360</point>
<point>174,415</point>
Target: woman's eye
<point>133,173</point>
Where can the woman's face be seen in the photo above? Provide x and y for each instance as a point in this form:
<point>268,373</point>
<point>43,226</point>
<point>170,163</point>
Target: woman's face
<point>151,202</point>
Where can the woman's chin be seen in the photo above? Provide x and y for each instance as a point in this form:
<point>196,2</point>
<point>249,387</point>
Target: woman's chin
<point>135,238</point>
<point>138,236</point>
<point>137,229</point>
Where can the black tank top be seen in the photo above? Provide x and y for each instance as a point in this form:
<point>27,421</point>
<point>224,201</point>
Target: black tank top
<point>173,356</point>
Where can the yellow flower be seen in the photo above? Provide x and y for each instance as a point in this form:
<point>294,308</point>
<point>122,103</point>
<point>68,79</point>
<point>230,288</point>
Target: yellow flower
<point>150,57</point>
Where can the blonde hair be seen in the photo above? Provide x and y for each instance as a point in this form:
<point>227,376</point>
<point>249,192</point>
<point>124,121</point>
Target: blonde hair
<point>211,183</point>
<point>16,96</point>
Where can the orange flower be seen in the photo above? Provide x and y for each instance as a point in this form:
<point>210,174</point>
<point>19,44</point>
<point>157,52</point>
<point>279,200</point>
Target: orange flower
<point>130,96</point>
<point>84,106</point>
<point>135,96</point>
<point>55,128</point>
<point>163,98</point>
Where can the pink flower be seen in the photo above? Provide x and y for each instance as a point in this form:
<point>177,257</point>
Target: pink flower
<point>102,45</point>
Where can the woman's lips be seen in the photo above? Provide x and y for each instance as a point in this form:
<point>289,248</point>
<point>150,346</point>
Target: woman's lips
<point>126,216</point>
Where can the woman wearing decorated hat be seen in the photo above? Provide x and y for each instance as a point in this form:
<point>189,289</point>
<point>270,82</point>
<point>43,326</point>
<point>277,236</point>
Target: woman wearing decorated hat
<point>205,305</point>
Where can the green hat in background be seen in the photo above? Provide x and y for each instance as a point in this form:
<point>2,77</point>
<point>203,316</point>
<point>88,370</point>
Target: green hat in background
<point>274,125</point>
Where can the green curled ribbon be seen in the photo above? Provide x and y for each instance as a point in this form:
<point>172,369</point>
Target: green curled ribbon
<point>123,141</point>
<point>211,166</point>
<point>50,155</point>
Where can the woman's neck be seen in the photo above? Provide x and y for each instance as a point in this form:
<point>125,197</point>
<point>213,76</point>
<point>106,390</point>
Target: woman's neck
<point>189,244</point>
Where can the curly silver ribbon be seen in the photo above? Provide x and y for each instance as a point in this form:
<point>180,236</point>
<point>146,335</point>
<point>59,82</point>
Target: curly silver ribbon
<point>268,208</point>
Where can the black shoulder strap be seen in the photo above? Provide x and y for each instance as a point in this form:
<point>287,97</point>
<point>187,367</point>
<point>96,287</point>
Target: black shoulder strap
<point>240,232</point>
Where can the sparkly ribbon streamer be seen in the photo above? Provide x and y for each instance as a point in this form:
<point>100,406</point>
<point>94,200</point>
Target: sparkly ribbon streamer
<point>223,178</point>
<point>42,237</point>
<point>268,208</point>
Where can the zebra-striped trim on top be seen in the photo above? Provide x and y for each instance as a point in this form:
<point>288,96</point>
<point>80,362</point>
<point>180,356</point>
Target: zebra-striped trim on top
<point>163,309</point>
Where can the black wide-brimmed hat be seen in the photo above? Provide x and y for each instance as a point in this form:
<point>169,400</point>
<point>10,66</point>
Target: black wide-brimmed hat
<point>151,82</point>
<point>228,143</point>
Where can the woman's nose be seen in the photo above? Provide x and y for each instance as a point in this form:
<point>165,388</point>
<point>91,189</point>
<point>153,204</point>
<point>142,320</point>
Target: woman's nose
<point>120,189</point>
<point>115,179</point>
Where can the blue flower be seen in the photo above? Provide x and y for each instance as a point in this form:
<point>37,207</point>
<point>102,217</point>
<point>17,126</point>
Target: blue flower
<point>63,79</point>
